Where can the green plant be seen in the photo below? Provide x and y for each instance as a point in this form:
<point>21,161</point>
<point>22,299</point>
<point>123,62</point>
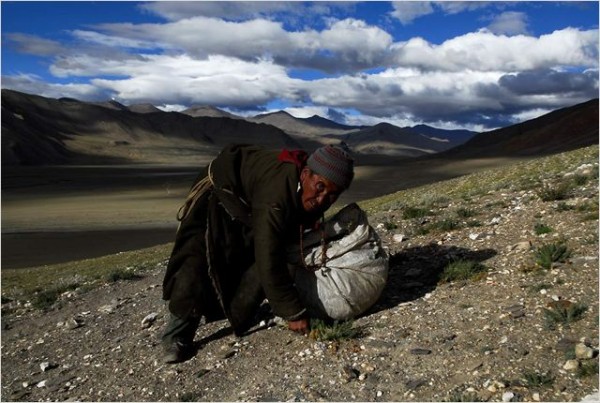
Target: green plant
<point>462,270</point>
<point>564,315</point>
<point>458,396</point>
<point>580,180</point>
<point>338,330</point>
<point>388,225</point>
<point>414,212</point>
<point>559,191</point>
<point>535,379</point>
<point>474,223</point>
<point>588,368</point>
<point>548,254</point>
<point>446,224</point>
<point>44,299</point>
<point>121,274</point>
<point>465,212</point>
<point>541,286</point>
<point>562,206</point>
<point>540,229</point>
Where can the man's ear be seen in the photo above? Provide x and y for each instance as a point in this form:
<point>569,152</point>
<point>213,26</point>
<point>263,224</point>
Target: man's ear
<point>305,174</point>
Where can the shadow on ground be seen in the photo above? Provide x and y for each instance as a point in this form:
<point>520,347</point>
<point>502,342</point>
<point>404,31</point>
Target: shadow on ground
<point>416,271</point>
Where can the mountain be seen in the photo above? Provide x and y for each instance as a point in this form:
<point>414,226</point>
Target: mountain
<point>387,139</point>
<point>316,129</point>
<point>558,131</point>
<point>38,131</point>
<point>208,111</point>
<point>144,108</point>
<point>455,137</point>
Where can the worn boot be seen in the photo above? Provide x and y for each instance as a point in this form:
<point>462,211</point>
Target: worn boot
<point>178,339</point>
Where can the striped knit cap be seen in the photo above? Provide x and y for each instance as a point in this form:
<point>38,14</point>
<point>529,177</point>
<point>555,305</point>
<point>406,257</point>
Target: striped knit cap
<point>332,163</point>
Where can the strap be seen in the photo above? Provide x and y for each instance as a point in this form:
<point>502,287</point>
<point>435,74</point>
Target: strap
<point>200,188</point>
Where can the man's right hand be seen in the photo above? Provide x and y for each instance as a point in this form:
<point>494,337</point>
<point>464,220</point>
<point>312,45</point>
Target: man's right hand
<point>299,326</point>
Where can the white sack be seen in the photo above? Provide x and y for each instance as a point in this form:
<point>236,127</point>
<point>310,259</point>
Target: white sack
<point>355,270</point>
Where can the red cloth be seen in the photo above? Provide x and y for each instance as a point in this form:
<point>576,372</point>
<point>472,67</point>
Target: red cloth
<point>297,157</point>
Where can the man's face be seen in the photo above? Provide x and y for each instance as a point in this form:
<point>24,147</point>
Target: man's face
<point>318,193</point>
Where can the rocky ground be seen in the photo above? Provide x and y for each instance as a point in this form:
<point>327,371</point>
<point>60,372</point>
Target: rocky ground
<point>485,339</point>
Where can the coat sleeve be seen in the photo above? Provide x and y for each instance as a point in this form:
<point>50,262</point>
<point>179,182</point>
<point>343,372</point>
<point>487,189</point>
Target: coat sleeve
<point>271,225</point>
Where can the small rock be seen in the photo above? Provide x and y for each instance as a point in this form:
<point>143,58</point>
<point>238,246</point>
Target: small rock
<point>523,246</point>
<point>507,396</point>
<point>474,236</point>
<point>584,352</point>
<point>571,365</point>
<point>420,351</point>
<point>536,396</point>
<point>149,319</point>
<point>398,238</point>
<point>73,323</point>
<point>415,383</point>
<point>45,366</point>
<point>41,384</point>
<point>594,397</point>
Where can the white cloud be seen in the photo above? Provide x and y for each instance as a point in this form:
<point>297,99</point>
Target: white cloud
<point>485,51</point>
<point>33,84</point>
<point>407,11</point>
<point>509,23</point>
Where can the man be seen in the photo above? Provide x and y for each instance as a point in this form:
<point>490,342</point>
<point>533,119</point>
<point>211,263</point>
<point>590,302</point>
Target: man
<point>230,249</point>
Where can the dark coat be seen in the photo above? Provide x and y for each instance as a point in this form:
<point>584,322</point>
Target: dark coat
<point>230,251</point>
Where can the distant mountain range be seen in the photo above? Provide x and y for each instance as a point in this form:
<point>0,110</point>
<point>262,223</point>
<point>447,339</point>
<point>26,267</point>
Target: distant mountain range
<point>39,131</point>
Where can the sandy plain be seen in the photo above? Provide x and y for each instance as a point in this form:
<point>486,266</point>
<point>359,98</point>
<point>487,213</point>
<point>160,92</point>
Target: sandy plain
<point>64,213</point>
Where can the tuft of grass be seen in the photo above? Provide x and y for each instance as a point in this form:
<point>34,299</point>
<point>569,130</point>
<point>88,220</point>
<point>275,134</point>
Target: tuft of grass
<point>564,315</point>
<point>336,331</point>
<point>44,299</point>
<point>540,229</point>
<point>540,287</point>
<point>414,212</point>
<point>26,283</point>
<point>559,191</point>
<point>121,274</point>
<point>548,254</point>
<point>465,212</point>
<point>587,368</point>
<point>535,379</point>
<point>580,180</point>
<point>388,225</point>
<point>446,224</point>
<point>458,396</point>
<point>463,270</point>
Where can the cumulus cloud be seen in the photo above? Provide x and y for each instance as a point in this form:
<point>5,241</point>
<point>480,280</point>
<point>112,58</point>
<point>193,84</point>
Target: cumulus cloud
<point>481,79</point>
<point>407,11</point>
<point>509,23</point>
<point>33,84</point>
<point>540,82</point>
<point>486,51</point>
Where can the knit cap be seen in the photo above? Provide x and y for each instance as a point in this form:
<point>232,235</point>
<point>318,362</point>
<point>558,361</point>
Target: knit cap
<point>334,164</point>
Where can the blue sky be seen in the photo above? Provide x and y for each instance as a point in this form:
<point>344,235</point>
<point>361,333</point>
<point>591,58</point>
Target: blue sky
<point>474,65</point>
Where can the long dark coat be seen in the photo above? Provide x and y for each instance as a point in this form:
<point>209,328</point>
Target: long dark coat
<point>230,250</point>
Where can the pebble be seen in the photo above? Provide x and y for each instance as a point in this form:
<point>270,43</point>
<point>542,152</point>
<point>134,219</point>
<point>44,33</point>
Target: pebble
<point>420,351</point>
<point>571,365</point>
<point>149,319</point>
<point>398,238</point>
<point>507,396</point>
<point>584,352</point>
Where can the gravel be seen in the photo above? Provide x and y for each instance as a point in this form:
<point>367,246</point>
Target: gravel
<point>485,339</point>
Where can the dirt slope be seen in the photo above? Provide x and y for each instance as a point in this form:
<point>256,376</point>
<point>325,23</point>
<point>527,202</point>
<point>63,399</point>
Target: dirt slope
<point>425,340</point>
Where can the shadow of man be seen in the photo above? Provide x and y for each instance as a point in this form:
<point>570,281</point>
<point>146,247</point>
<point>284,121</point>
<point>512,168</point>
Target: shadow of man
<point>415,271</point>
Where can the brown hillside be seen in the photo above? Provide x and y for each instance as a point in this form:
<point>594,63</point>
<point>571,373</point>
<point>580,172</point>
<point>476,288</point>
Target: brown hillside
<point>562,130</point>
<point>38,131</point>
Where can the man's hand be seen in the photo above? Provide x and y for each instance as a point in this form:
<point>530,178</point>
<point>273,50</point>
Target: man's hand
<point>299,326</point>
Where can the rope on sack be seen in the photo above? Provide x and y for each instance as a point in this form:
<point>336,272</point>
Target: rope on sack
<point>314,267</point>
<point>200,188</point>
